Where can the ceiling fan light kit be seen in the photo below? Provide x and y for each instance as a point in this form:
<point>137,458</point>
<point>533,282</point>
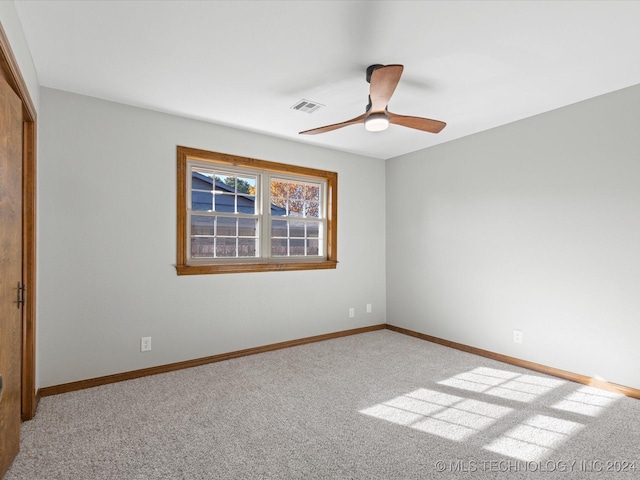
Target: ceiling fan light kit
<point>383,80</point>
<point>376,122</point>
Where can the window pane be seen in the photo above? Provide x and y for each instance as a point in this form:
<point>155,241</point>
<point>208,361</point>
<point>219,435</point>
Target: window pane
<point>201,188</point>
<point>313,210</point>
<point>278,228</point>
<point>278,210</point>
<point>201,200</point>
<point>202,225</point>
<point>279,193</point>
<point>296,191</point>
<point>202,174</point>
<point>246,185</point>
<point>296,208</point>
<point>313,230</point>
<point>279,247</point>
<point>247,227</point>
<point>296,247</point>
<point>247,247</point>
<point>224,202</point>
<point>202,247</point>
<point>225,182</point>
<point>226,247</point>
<point>279,189</point>
<point>296,229</point>
<point>226,227</point>
<point>312,193</point>
<point>313,247</point>
<point>247,204</point>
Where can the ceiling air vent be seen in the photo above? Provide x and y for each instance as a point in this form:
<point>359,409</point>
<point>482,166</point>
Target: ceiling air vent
<point>307,106</point>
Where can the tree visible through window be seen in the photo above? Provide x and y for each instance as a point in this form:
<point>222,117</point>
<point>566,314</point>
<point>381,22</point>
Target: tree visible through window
<point>299,231</point>
<point>238,214</point>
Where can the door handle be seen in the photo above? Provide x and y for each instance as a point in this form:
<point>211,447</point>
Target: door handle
<point>21,301</point>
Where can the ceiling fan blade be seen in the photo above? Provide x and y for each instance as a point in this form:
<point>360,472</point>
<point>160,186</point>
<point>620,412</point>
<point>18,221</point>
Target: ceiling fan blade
<point>419,123</point>
<point>383,83</point>
<point>335,126</point>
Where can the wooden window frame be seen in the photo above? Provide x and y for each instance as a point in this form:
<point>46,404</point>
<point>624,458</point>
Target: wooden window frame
<point>185,154</point>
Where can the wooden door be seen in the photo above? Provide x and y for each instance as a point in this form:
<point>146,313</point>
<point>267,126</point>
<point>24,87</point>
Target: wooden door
<point>10,273</point>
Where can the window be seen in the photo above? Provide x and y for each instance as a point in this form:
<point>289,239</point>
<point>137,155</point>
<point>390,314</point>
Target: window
<point>239,214</point>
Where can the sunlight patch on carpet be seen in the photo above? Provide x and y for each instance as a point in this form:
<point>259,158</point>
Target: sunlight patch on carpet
<point>447,416</point>
<point>587,401</point>
<point>535,438</point>
<point>503,384</point>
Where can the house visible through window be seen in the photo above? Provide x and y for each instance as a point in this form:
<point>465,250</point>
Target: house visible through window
<point>237,214</point>
<point>224,214</point>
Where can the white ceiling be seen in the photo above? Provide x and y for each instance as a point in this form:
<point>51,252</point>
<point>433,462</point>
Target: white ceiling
<point>473,64</point>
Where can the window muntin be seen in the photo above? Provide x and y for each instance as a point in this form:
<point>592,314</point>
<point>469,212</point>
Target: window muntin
<point>239,214</point>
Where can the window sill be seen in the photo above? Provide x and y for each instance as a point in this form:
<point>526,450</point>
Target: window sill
<point>254,267</point>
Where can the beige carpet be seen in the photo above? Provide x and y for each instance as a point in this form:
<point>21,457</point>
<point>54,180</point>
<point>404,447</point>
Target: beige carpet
<point>379,405</point>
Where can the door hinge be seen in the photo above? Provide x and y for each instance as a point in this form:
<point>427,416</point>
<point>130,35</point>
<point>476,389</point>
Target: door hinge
<point>21,299</point>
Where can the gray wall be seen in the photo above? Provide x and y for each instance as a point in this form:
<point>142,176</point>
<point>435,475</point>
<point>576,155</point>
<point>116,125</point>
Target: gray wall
<point>533,226</point>
<point>107,246</point>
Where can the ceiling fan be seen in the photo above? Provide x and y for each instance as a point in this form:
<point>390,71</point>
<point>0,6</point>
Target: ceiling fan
<point>383,80</point>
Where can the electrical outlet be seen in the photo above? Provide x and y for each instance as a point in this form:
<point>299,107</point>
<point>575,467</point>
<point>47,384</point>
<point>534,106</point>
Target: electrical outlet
<point>352,312</point>
<point>145,344</point>
<point>517,336</point>
<point>368,308</point>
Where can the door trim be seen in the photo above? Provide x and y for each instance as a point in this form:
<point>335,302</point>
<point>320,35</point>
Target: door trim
<point>10,70</point>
